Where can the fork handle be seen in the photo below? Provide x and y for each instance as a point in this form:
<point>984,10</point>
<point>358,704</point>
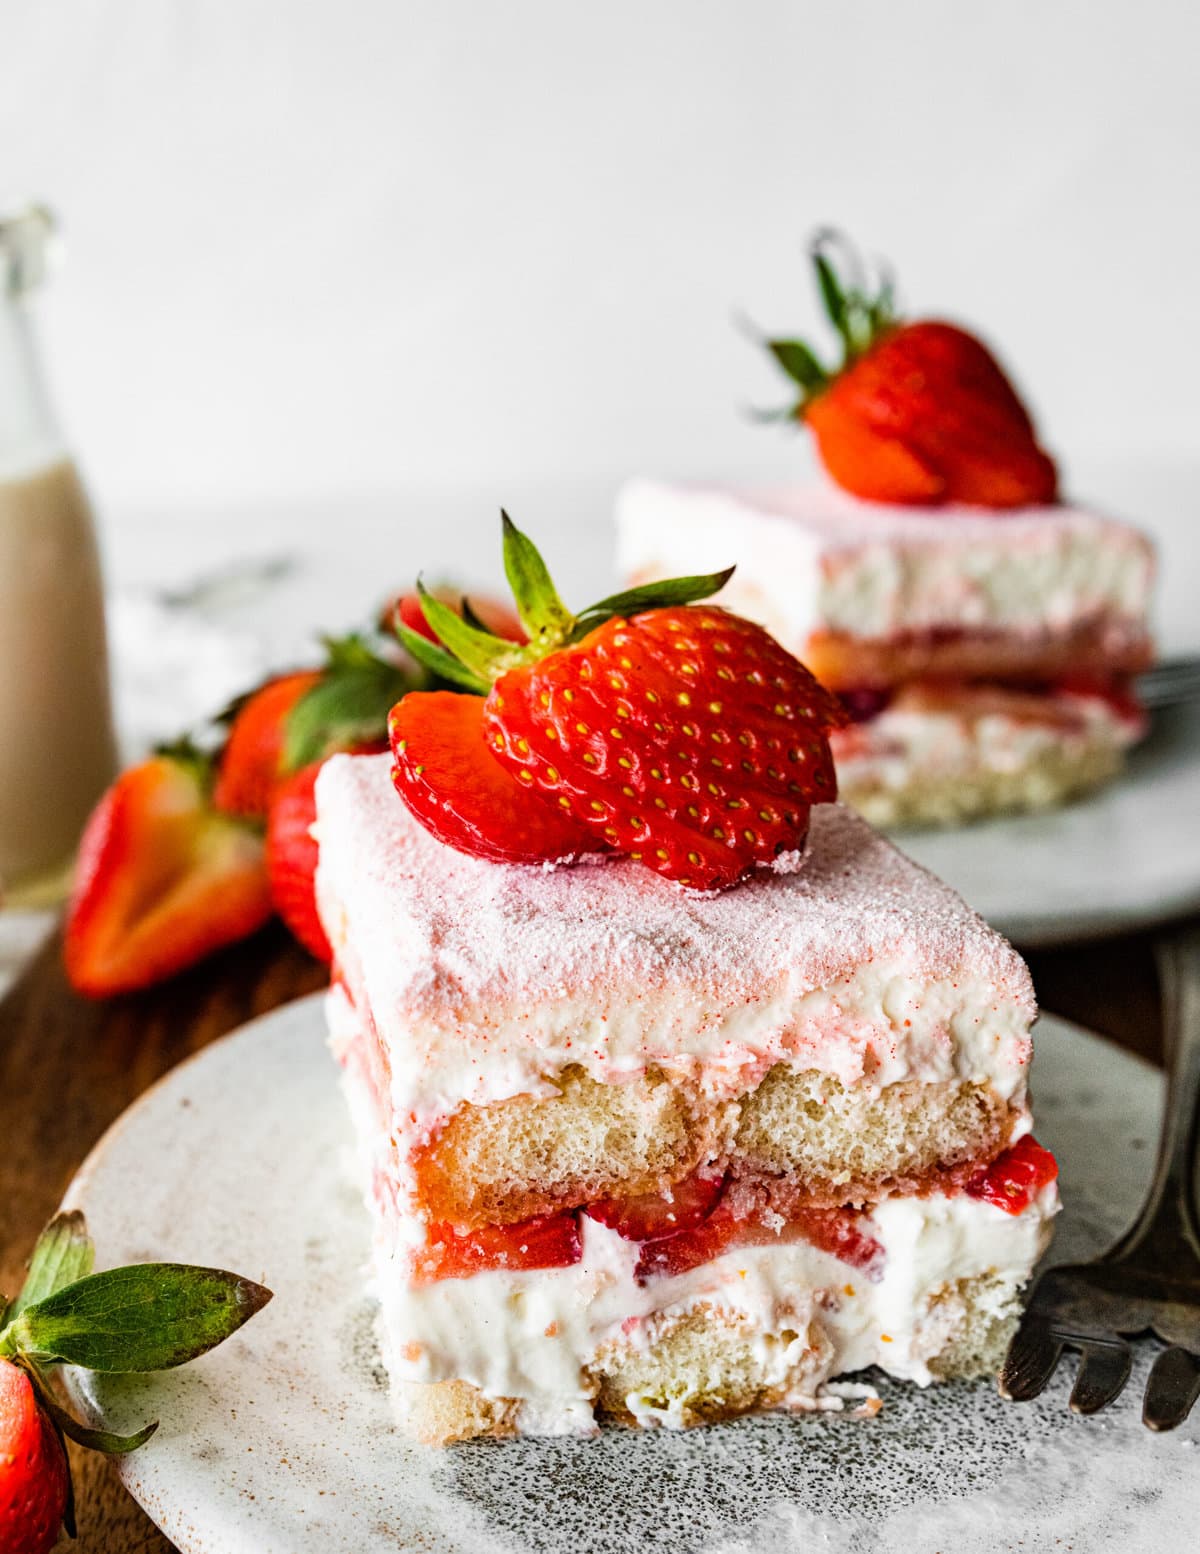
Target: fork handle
<point>1170,1206</point>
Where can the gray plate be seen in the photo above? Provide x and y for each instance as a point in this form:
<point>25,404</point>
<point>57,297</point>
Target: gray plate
<point>1126,857</point>
<point>280,1442</point>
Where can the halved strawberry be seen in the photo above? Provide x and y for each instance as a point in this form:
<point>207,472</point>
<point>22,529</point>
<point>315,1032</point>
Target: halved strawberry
<point>1014,1179</point>
<point>652,1216</point>
<point>915,412</point>
<point>548,1241</point>
<point>161,881</point>
<point>444,773</point>
<point>682,736</point>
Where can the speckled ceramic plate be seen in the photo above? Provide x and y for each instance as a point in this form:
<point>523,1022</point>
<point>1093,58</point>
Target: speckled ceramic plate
<point>1127,857</point>
<point>280,1441</point>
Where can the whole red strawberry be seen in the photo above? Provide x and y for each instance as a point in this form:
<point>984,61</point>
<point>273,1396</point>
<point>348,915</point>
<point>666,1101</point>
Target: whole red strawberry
<point>916,412</point>
<point>34,1479</point>
<point>681,736</point>
<point>292,859</point>
<point>252,761</point>
<point>292,854</point>
<point>300,717</point>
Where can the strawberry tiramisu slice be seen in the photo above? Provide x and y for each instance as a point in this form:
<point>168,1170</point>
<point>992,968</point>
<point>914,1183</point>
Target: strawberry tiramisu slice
<point>981,632</point>
<point>639,1149</point>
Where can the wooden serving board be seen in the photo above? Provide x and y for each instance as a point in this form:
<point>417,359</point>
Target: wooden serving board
<point>69,1068</point>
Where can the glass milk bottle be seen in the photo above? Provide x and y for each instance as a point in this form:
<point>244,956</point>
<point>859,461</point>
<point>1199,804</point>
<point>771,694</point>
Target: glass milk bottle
<point>57,751</point>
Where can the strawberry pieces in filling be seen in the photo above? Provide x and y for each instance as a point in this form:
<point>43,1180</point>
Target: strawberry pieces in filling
<point>651,1216</point>
<point>547,1241</point>
<point>1014,1179</point>
<point>697,1220</point>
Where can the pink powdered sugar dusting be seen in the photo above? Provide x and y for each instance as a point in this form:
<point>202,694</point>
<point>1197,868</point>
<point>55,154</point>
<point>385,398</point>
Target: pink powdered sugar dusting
<point>471,951</point>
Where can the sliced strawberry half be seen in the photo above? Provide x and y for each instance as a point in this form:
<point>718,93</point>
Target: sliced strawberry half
<point>677,734</point>
<point>653,1216</point>
<point>444,773</point>
<point>1014,1179</point>
<point>162,880</point>
<point>547,1241</point>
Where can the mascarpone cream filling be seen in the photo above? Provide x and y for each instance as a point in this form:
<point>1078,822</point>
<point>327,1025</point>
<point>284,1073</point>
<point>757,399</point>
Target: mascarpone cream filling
<point>904,745</point>
<point>877,1028</point>
<point>815,559</point>
<point>533,1335</point>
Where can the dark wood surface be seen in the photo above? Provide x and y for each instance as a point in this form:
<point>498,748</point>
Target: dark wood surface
<point>68,1068</point>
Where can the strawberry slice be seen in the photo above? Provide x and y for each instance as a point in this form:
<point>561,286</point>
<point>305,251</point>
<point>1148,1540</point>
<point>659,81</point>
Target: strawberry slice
<point>252,762</point>
<point>162,880</point>
<point>676,734</point>
<point>840,1232</point>
<point>652,1216</point>
<point>1014,1179</point>
<point>686,737</point>
<point>547,1241</point>
<point>444,773</point>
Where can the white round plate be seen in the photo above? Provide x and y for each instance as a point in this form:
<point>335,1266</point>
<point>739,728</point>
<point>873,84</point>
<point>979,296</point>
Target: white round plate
<point>1123,858</point>
<point>280,1441</point>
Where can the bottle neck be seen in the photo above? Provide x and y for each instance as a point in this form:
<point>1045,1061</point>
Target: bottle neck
<point>29,434</point>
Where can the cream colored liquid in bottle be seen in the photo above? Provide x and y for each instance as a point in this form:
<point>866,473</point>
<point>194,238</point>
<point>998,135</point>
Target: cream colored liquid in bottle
<point>57,751</point>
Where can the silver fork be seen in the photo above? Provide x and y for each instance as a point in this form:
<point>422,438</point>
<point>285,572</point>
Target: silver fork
<point>1169,682</point>
<point>1149,1281</point>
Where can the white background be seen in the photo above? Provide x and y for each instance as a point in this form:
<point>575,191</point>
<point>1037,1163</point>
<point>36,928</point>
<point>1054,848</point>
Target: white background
<point>437,255</point>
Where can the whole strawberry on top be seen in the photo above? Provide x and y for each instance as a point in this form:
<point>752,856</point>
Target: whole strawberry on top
<point>916,411</point>
<point>649,725</point>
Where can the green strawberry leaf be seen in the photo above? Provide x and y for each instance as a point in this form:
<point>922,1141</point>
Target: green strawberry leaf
<point>439,662</point>
<point>653,596</point>
<point>467,610</point>
<point>799,363</point>
<point>147,1317</point>
<point>95,1440</point>
<point>347,707</point>
<point>543,614</point>
<point>829,285</point>
<point>63,1254</point>
<point>482,653</point>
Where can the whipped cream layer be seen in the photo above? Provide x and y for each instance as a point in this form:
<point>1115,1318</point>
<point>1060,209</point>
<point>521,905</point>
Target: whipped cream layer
<point>483,981</point>
<point>907,744</point>
<point>534,1335</point>
<point>814,558</point>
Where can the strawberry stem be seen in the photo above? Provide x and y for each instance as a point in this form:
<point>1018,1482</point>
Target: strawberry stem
<point>858,314</point>
<point>469,656</point>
